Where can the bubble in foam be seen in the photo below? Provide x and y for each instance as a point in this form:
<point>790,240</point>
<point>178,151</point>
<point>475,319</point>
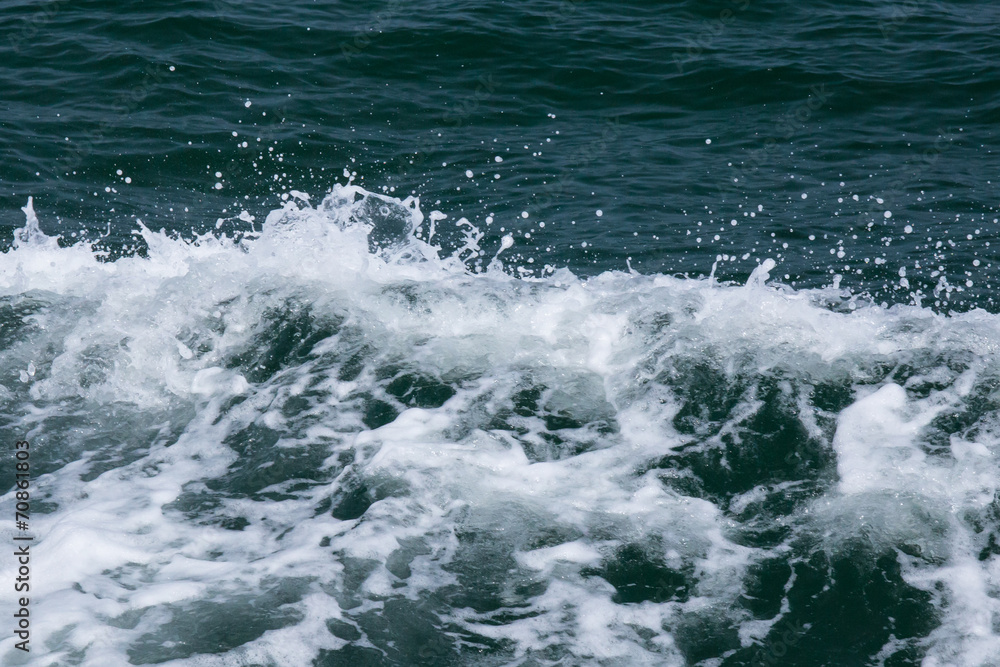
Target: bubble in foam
<point>539,498</point>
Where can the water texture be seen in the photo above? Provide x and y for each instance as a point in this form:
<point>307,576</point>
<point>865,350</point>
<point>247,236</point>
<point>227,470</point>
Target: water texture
<point>551,333</point>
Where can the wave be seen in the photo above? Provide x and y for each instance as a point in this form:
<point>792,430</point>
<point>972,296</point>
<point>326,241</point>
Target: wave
<point>330,442</point>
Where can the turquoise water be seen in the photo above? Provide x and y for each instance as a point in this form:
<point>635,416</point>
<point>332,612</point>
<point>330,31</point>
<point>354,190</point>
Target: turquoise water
<point>557,333</point>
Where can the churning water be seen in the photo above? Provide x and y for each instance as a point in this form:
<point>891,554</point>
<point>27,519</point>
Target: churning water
<point>538,334</point>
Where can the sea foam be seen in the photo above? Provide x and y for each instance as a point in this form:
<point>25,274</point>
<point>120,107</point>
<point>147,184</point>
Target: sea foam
<point>329,440</point>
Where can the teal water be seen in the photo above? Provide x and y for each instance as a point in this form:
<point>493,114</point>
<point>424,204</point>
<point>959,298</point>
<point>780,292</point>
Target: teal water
<point>558,333</point>
<point>890,101</point>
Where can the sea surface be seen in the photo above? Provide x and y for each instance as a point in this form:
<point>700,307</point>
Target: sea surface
<point>483,334</point>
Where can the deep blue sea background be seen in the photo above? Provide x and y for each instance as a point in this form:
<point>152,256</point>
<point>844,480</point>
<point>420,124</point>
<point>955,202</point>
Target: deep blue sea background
<point>576,418</point>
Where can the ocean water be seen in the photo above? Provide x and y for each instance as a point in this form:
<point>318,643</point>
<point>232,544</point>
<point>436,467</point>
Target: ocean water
<point>530,334</point>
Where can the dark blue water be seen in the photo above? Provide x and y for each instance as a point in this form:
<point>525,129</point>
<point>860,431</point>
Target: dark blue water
<point>883,101</point>
<point>551,333</point>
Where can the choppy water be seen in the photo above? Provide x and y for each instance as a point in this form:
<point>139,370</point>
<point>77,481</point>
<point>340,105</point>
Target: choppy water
<point>496,334</point>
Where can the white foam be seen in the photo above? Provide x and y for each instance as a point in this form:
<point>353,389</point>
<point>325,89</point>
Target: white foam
<point>876,442</point>
<point>153,338</point>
